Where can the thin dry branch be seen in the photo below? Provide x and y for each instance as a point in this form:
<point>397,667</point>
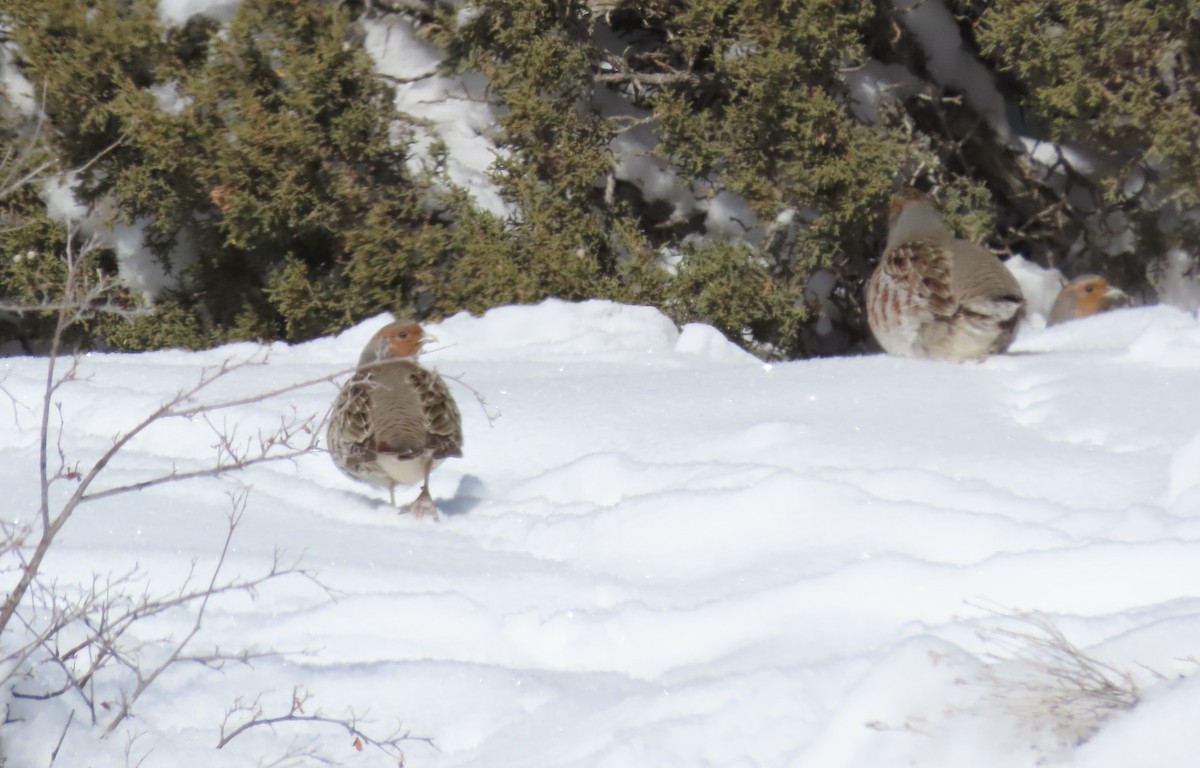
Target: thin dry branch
<point>1039,675</point>
<point>106,308</point>
<point>81,632</point>
<point>626,123</point>
<point>406,80</point>
<point>16,162</point>
<point>252,715</point>
<point>231,462</point>
<point>16,404</point>
<point>292,439</point>
<point>647,78</point>
<point>144,681</point>
<point>130,740</point>
<point>95,613</point>
<point>62,737</point>
<point>107,613</point>
<point>479,398</point>
<point>280,445</point>
<point>457,378</point>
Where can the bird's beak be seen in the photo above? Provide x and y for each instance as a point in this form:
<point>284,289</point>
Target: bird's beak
<point>427,337</point>
<point>1115,295</point>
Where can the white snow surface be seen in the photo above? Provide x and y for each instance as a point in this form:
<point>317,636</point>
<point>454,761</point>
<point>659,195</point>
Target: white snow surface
<point>139,268</point>
<point>169,98</point>
<point>874,84</point>
<point>1040,287</point>
<point>951,63</point>
<point>453,110</point>
<point>17,90</point>
<point>665,552</point>
<point>1177,284</point>
<point>177,12</point>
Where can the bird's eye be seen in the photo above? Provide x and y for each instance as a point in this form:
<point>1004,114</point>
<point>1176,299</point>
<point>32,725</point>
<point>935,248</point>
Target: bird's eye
<point>404,334</point>
<point>1089,289</point>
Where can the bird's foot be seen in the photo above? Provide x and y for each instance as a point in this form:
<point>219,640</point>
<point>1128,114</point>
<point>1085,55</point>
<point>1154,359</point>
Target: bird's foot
<point>423,505</point>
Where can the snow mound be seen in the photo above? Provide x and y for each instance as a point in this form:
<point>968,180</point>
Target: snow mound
<point>1159,733</point>
<point>1155,335</point>
<point>454,111</point>
<point>657,551</point>
<point>555,331</point>
<point>1039,286</point>
<point>177,12</point>
<point>707,342</point>
<point>1183,490</point>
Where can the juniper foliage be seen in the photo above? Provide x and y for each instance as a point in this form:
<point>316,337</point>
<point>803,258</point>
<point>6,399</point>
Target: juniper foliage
<point>279,186</point>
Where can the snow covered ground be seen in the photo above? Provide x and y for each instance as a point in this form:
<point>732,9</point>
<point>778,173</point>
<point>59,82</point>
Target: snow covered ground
<point>666,553</point>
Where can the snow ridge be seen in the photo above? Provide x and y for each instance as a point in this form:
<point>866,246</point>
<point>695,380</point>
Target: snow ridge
<point>665,553</point>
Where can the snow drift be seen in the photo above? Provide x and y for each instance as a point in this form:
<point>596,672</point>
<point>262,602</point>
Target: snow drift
<point>664,552</point>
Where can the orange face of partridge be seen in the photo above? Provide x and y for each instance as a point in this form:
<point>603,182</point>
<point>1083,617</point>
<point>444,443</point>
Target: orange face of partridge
<point>1091,295</point>
<point>400,340</point>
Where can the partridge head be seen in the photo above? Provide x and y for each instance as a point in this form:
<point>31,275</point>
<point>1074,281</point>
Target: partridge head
<point>1084,296</point>
<point>395,421</point>
<point>401,340</point>
<point>936,296</point>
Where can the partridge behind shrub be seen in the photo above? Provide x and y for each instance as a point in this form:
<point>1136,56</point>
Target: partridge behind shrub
<point>1084,296</point>
<point>936,296</point>
<point>394,420</point>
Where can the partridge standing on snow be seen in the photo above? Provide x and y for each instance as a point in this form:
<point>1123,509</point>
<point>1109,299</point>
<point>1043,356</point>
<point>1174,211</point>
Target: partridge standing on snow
<point>394,421</point>
<point>936,296</point>
<point>1086,295</point>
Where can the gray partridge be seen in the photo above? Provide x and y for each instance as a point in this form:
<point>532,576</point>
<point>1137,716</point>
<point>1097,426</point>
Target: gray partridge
<point>395,421</point>
<point>1086,295</point>
<point>936,296</point>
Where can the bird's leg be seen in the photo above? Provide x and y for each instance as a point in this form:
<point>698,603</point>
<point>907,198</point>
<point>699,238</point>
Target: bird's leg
<point>392,495</point>
<point>423,504</point>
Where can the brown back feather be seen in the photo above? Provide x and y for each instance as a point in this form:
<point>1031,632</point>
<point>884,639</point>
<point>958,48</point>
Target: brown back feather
<point>930,282</point>
<point>399,409</point>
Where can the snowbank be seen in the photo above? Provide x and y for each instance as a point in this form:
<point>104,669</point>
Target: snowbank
<point>664,553</point>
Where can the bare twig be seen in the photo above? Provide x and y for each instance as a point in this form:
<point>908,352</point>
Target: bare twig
<point>82,296</point>
<point>144,681</point>
<point>100,155</point>
<point>252,715</point>
<point>130,740</point>
<point>62,737</point>
<point>16,174</point>
<point>457,378</point>
<point>16,404</point>
<point>79,631</point>
<point>479,398</point>
<point>406,80</point>
<point>647,78</point>
<point>1036,672</point>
